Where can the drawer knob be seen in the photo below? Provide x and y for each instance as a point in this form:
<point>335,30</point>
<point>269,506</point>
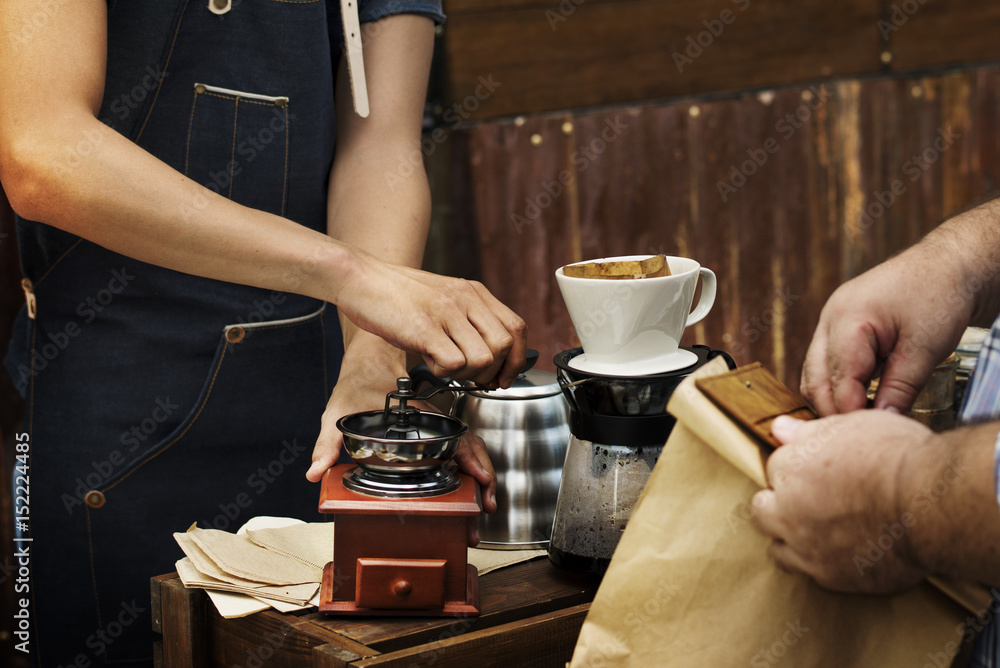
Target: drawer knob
<point>401,588</point>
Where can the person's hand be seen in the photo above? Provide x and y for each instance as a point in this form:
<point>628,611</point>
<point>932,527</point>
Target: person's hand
<point>367,374</point>
<point>836,510</point>
<point>472,458</point>
<point>900,318</point>
<point>457,326</point>
<point>365,378</point>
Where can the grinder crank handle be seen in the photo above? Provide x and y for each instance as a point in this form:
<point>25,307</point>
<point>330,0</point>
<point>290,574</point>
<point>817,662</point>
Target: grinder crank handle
<point>421,373</point>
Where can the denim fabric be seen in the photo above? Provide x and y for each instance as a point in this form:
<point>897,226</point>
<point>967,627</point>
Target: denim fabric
<point>373,10</point>
<point>136,399</point>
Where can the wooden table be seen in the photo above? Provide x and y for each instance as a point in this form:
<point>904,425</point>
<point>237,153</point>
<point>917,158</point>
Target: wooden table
<point>531,616</point>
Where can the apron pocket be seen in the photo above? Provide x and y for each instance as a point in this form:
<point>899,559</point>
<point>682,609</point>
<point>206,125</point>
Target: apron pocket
<point>237,146</point>
<point>250,357</point>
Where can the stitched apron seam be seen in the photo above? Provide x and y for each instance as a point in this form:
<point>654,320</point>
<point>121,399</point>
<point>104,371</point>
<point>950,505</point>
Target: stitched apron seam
<point>187,150</point>
<point>93,573</point>
<point>58,260</point>
<point>166,66</point>
<point>181,435</point>
<point>232,155</point>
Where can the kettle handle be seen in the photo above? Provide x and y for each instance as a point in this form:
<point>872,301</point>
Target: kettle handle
<point>530,359</point>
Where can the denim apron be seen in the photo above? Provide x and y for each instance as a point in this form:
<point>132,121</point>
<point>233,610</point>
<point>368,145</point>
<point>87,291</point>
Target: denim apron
<point>157,399</point>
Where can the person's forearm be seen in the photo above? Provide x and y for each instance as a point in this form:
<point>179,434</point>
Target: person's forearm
<point>121,197</point>
<point>969,244</point>
<point>948,488</point>
<point>389,222</point>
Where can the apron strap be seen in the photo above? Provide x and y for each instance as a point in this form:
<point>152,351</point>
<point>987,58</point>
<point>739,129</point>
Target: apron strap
<point>355,56</point>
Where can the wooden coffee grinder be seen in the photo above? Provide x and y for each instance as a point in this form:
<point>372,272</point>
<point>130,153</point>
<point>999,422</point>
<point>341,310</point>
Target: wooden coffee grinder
<point>401,516</point>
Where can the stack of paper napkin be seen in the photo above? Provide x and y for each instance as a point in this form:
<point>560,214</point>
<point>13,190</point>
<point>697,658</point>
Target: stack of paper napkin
<point>277,562</point>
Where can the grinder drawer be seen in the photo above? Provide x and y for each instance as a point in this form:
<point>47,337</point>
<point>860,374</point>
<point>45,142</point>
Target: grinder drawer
<point>400,583</point>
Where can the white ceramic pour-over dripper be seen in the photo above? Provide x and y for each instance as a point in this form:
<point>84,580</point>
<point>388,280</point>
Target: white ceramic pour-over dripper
<point>633,327</point>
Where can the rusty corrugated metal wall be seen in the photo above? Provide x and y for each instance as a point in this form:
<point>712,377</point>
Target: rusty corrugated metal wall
<point>784,194</point>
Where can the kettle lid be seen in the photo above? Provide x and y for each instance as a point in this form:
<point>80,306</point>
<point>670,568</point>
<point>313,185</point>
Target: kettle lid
<point>532,384</point>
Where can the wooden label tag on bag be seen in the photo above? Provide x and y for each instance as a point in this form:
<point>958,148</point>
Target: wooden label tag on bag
<point>754,397</point>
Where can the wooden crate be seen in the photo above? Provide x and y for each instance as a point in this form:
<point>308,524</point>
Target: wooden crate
<point>532,615</point>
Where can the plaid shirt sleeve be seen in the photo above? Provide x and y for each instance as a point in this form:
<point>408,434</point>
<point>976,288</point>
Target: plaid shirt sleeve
<point>982,403</point>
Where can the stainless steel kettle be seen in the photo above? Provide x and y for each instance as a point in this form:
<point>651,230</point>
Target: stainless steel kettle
<point>526,431</point>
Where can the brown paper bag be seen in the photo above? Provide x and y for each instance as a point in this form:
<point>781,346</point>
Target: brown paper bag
<point>691,583</point>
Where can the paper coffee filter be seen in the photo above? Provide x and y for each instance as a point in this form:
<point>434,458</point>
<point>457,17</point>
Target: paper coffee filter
<point>237,555</point>
<point>294,595</point>
<point>309,544</point>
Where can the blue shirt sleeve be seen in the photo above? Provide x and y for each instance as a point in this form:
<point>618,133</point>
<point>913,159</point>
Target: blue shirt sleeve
<point>373,10</point>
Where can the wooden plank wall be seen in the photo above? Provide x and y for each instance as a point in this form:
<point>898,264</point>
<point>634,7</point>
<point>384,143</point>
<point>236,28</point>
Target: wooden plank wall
<point>567,54</point>
<point>647,179</point>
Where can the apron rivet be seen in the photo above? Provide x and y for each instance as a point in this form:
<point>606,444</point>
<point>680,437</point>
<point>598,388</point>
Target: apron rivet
<point>94,499</point>
<point>219,6</point>
<point>235,334</point>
